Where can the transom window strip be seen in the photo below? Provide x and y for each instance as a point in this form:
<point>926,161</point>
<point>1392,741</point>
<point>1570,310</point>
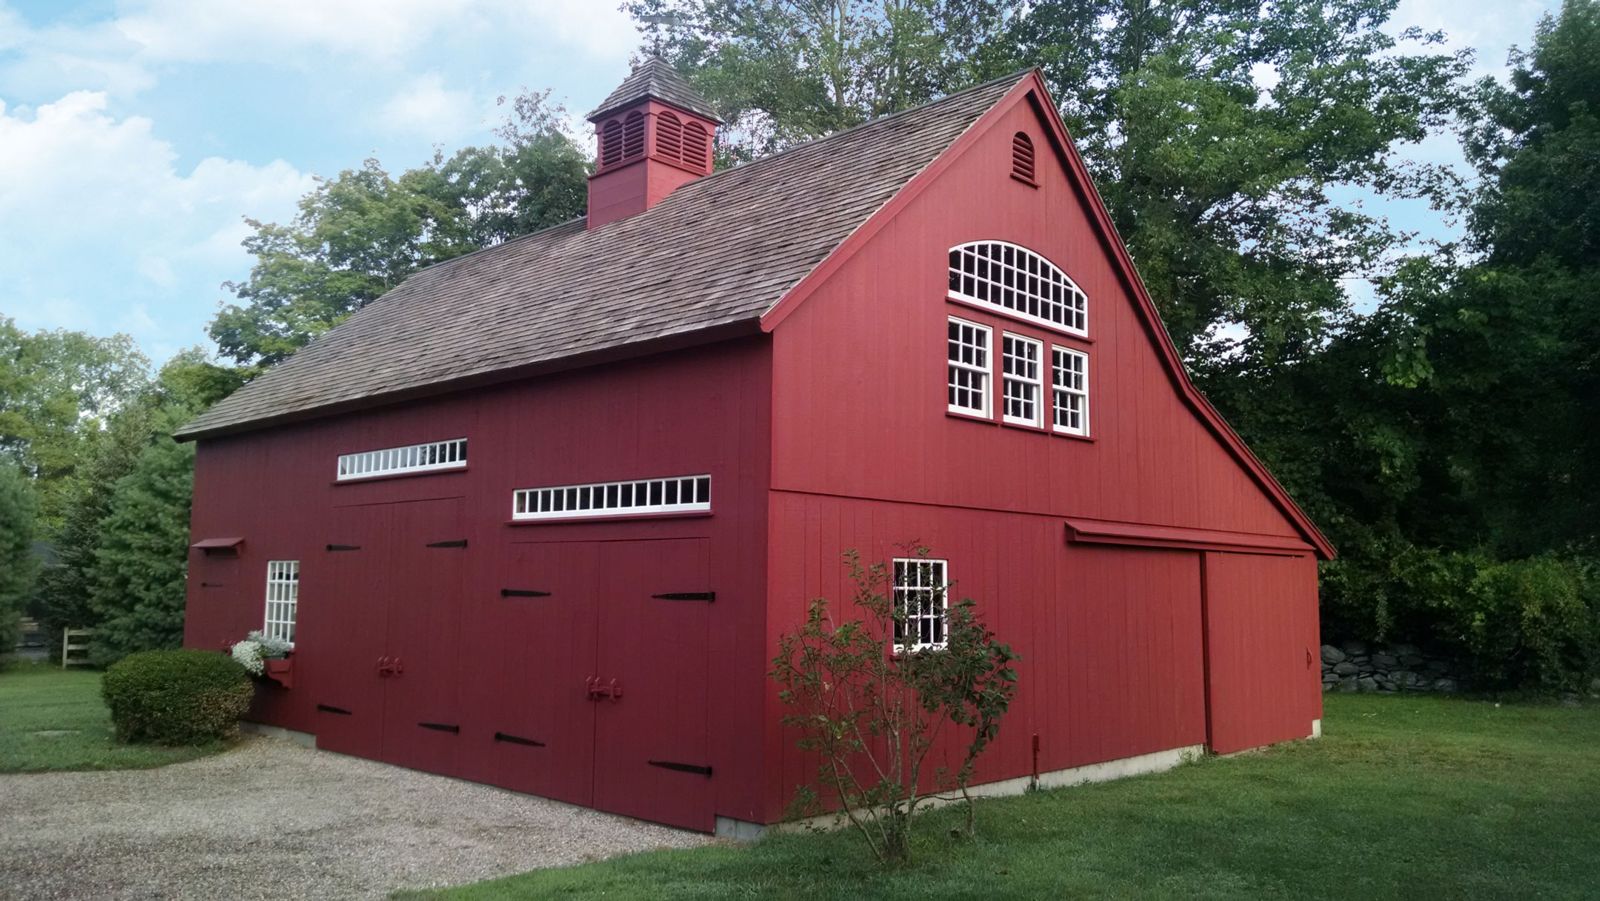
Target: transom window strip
<point>920,589</point>
<point>676,494</point>
<point>968,378</point>
<point>1018,282</point>
<point>1021,364</point>
<point>435,455</point>
<point>1070,385</point>
<point>283,598</point>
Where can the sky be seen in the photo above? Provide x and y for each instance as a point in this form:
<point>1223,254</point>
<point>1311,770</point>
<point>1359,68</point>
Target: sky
<point>136,135</point>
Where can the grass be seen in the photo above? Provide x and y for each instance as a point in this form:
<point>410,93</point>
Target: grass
<point>1402,797</point>
<point>36,698</point>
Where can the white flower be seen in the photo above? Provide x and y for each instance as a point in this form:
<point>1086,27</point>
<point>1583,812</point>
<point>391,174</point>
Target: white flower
<point>248,653</point>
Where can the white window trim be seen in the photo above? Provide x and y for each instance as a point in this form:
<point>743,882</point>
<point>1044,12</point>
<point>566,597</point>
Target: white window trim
<point>283,600</point>
<point>987,371</point>
<point>1002,310</point>
<point>1056,390</point>
<point>941,568</point>
<point>584,507</point>
<point>1037,383</point>
<point>392,461</point>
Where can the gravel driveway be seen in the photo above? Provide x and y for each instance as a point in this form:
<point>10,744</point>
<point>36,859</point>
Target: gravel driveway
<point>273,820</point>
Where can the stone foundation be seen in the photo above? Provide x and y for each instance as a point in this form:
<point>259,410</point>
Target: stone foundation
<point>1356,666</point>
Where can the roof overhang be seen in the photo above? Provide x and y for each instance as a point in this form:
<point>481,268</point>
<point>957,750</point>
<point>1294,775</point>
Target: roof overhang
<point>1099,531</point>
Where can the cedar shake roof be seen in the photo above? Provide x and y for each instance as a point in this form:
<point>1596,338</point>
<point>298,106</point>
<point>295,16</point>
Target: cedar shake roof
<point>715,254</point>
<point>656,78</point>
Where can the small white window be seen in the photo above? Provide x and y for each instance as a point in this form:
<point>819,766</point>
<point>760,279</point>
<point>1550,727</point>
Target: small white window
<point>1070,383</point>
<point>390,461</point>
<point>678,494</point>
<point>919,596</point>
<point>283,597</point>
<point>1023,388</point>
<point>969,367</point>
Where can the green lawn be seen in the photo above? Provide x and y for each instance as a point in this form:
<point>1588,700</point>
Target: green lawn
<point>1402,798</point>
<point>45,699</point>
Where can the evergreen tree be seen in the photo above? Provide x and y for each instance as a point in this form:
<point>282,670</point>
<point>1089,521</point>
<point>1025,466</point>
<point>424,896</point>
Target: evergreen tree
<point>140,560</point>
<point>18,566</point>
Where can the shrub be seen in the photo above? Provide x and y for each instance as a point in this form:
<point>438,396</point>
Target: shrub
<point>181,697</point>
<point>872,716</point>
<point>1532,623</point>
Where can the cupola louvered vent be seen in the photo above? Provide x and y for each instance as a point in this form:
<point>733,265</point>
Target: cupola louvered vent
<point>611,143</point>
<point>696,146</point>
<point>633,135</point>
<point>669,137</point>
<point>1022,157</point>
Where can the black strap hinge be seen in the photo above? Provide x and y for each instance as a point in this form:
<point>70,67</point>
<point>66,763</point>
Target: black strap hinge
<point>707,596</point>
<point>681,767</point>
<point>517,740</point>
<point>460,542</point>
<point>325,708</point>
<point>523,593</point>
<point>442,727</point>
<point>344,547</point>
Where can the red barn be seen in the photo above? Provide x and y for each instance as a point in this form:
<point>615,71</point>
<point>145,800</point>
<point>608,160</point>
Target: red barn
<point>681,410</point>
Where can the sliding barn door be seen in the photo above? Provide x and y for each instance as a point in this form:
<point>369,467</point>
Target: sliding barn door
<point>1264,679</point>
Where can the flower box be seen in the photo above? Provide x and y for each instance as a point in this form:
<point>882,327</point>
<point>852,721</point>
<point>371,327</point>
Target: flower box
<point>280,670</point>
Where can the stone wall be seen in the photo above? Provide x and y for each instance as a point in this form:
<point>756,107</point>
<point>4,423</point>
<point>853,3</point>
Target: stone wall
<point>1354,666</point>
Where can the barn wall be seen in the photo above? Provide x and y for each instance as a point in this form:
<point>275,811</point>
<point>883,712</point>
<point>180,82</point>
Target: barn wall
<point>1110,638</point>
<point>865,456</point>
<point>859,373</point>
<point>705,411</point>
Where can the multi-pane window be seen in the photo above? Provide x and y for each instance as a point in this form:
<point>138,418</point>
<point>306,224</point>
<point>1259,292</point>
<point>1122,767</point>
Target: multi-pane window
<point>283,597</point>
<point>390,461</point>
<point>679,494</point>
<point>1022,385</point>
<point>968,378</point>
<point>1017,282</point>
<point>920,587</point>
<point>1070,386</point>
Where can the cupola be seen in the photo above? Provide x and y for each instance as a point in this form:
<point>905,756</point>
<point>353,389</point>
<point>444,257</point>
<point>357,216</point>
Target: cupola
<point>653,134</point>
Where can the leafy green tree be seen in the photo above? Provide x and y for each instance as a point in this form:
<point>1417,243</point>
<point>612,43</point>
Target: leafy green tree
<point>140,560</point>
<point>784,72</point>
<point>18,566</point>
<point>57,388</point>
<point>187,384</point>
<point>362,233</point>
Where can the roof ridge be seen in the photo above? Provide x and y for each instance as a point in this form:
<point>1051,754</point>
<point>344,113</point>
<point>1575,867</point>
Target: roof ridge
<point>1014,76</point>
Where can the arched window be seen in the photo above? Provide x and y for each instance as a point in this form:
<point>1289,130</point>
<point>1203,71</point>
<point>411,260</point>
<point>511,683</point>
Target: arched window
<point>611,143</point>
<point>669,137</point>
<point>1017,282</point>
<point>633,135</point>
<point>1022,157</point>
<point>696,146</point>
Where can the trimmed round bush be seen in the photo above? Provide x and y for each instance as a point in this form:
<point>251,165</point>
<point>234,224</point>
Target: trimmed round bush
<point>182,697</point>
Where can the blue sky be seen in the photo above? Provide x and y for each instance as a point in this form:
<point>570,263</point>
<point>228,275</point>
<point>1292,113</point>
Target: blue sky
<point>135,135</point>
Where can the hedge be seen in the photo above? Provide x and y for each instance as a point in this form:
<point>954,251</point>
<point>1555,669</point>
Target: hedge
<point>180,697</point>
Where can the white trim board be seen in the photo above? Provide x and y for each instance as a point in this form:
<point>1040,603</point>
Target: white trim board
<point>1105,771</point>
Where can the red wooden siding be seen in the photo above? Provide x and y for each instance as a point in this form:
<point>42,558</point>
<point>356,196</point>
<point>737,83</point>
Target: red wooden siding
<point>1265,675</point>
<point>1110,637</point>
<point>865,455</point>
<point>473,658</point>
<point>859,374</point>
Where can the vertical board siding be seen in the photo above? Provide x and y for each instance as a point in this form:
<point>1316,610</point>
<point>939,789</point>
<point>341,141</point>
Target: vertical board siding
<point>859,373</point>
<point>1265,675</point>
<point>703,411</point>
<point>1109,637</point>
<point>865,456</point>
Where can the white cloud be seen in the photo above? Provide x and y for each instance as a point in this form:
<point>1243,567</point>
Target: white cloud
<point>104,232</point>
<point>425,108</point>
<point>1490,27</point>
